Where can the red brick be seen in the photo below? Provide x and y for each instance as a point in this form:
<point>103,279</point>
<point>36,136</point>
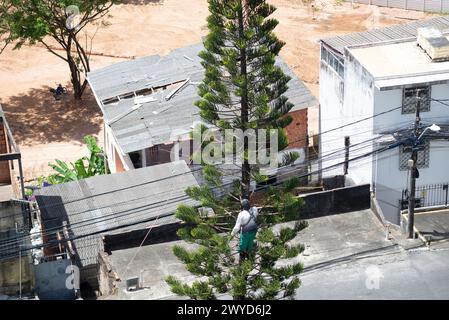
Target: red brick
<point>297,130</point>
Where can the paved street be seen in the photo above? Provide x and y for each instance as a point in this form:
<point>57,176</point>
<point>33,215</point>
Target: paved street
<point>418,274</point>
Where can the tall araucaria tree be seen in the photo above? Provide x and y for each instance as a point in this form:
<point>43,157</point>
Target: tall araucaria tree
<point>242,89</point>
<point>58,25</point>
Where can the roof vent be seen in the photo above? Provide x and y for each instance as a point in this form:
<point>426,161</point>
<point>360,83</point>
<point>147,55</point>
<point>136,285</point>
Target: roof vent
<point>434,43</point>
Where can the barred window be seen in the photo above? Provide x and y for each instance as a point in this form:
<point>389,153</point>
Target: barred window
<point>410,101</point>
<point>405,154</point>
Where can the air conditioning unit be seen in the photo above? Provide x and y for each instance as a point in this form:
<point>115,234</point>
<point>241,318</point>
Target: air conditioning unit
<point>434,43</point>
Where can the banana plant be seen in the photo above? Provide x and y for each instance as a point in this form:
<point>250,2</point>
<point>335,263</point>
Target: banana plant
<point>84,167</point>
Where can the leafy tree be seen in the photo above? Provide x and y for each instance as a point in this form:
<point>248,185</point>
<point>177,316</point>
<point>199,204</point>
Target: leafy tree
<point>82,168</point>
<point>55,24</point>
<point>242,89</point>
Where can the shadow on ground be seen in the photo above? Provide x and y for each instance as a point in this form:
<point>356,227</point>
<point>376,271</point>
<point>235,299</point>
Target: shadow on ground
<point>36,117</point>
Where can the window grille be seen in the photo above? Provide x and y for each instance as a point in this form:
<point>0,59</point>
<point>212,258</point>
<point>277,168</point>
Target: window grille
<point>410,100</point>
<point>405,154</point>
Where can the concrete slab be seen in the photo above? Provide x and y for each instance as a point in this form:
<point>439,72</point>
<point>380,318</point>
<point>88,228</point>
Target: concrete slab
<point>341,238</point>
<point>330,241</point>
<point>152,263</point>
<point>433,225</point>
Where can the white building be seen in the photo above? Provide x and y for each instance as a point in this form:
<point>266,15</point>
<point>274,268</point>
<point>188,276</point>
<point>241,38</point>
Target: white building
<point>368,88</point>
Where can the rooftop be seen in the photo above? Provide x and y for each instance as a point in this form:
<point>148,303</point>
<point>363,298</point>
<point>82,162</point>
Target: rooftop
<point>152,275</point>
<point>166,89</point>
<point>329,241</point>
<point>396,32</point>
<point>398,59</point>
<point>115,203</point>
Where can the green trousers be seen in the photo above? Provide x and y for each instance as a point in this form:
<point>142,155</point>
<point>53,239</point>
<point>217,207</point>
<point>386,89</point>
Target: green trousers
<point>247,241</point>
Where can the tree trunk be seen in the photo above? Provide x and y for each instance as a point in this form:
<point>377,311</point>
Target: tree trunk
<point>246,169</point>
<point>75,79</point>
<point>75,73</point>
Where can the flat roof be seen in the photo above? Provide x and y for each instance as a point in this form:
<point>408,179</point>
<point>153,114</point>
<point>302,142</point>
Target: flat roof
<point>401,31</point>
<point>120,202</point>
<point>152,263</point>
<point>396,63</point>
<point>168,111</point>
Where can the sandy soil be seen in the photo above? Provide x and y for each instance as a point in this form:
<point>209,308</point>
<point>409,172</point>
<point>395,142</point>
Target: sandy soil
<point>48,129</point>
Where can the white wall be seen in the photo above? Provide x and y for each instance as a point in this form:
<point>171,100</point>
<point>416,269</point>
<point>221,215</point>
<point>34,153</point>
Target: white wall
<point>358,104</point>
<point>331,115</point>
<point>387,100</point>
<point>390,181</point>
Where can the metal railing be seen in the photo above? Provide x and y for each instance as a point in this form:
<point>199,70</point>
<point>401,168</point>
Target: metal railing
<point>428,196</point>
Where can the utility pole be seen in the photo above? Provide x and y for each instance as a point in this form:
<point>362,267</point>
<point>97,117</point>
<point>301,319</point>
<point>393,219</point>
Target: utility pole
<point>347,144</point>
<point>413,170</point>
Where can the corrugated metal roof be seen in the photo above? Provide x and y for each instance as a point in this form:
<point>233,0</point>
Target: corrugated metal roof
<point>154,122</point>
<point>396,32</point>
<point>100,203</point>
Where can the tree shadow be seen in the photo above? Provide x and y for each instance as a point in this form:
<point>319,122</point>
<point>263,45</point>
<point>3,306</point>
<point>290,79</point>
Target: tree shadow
<point>36,117</point>
<point>142,2</point>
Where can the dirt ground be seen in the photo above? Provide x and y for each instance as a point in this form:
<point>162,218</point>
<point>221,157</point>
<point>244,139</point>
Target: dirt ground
<point>46,129</point>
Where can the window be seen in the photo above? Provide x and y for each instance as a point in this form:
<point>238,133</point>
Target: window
<point>405,154</point>
<point>410,99</point>
<point>333,61</point>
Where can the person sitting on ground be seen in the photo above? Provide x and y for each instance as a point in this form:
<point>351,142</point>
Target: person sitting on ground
<point>247,225</point>
<point>59,90</point>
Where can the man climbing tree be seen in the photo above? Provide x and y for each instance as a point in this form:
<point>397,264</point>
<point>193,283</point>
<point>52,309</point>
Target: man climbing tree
<point>40,21</point>
<point>242,90</point>
<point>247,225</point>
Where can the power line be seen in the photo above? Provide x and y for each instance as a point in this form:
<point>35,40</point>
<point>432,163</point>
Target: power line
<point>170,214</point>
<point>352,123</point>
<point>152,205</point>
<point>232,174</point>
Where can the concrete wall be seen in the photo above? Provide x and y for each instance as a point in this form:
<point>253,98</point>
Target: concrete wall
<point>331,114</point>
<point>389,99</point>
<point>15,269</point>
<point>357,104</point>
<point>335,201</point>
<point>12,274</point>
<point>420,5</point>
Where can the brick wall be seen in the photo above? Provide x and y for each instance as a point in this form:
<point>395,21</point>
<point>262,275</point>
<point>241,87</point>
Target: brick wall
<point>5,176</point>
<point>297,130</point>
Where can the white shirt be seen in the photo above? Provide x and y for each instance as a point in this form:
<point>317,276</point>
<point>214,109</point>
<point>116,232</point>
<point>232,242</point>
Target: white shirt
<point>243,219</point>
